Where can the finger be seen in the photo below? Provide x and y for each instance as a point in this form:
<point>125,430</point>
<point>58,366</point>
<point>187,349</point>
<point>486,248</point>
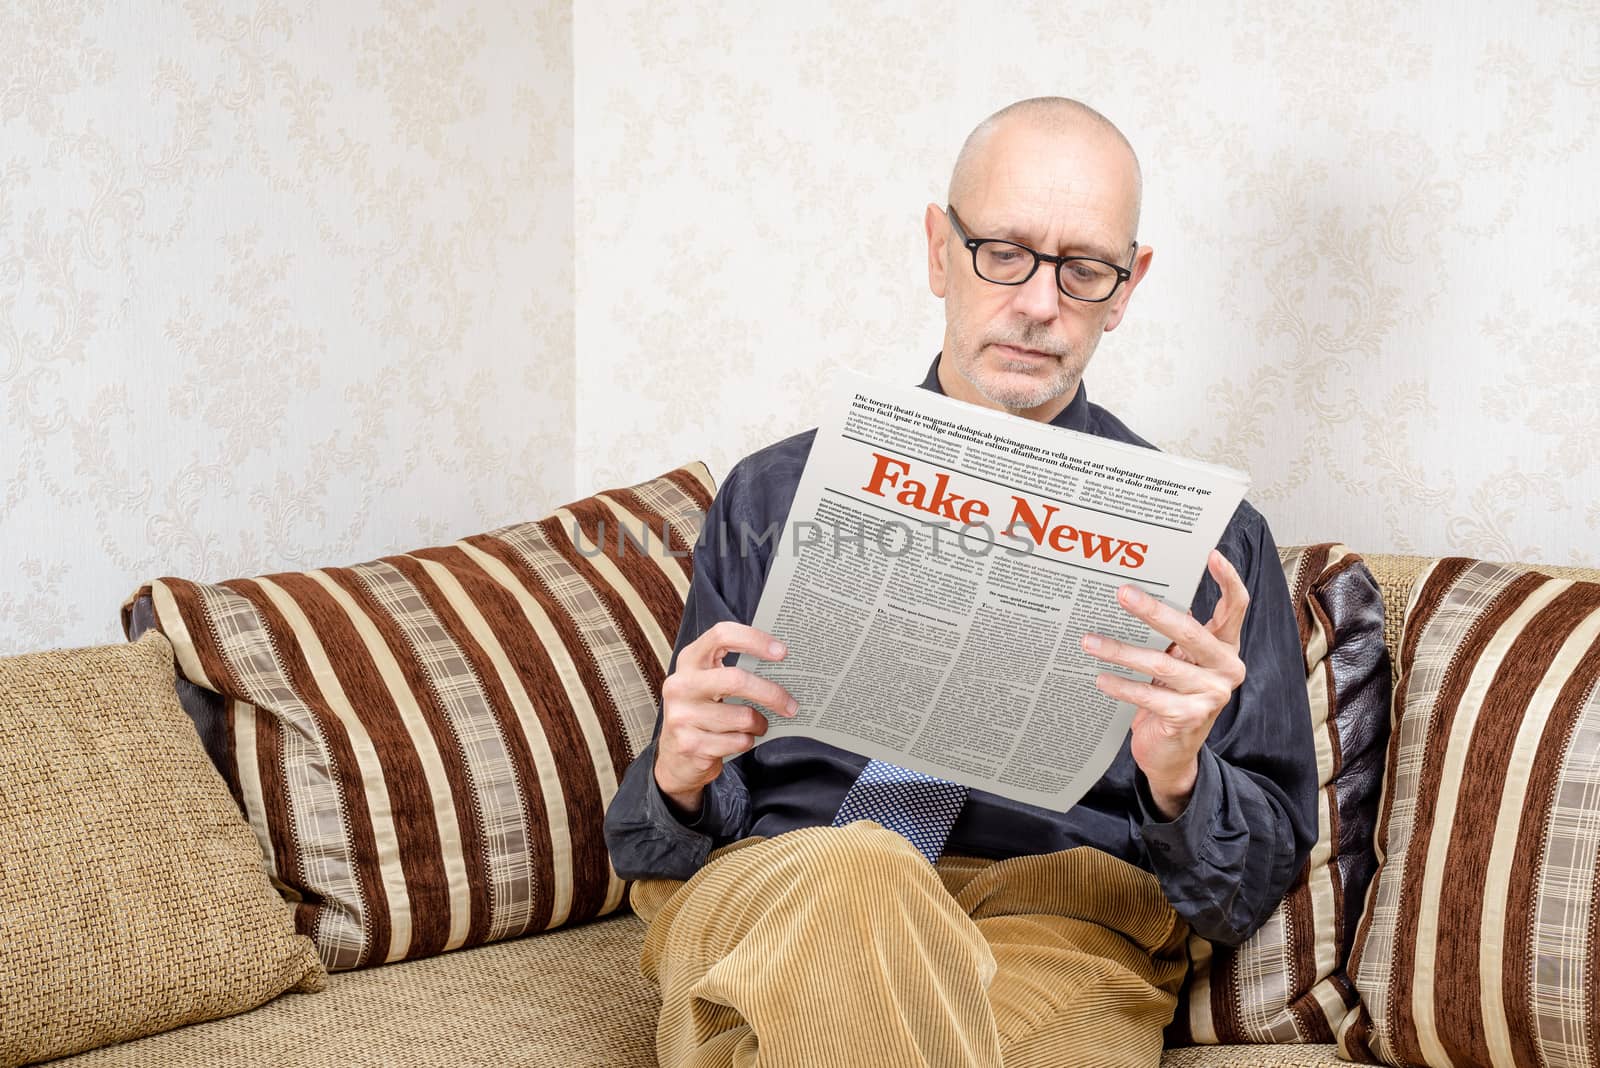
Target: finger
<point>1165,669</point>
<point>1227,619</point>
<point>716,717</point>
<point>722,683</point>
<point>727,745</point>
<point>682,691</point>
<point>1201,646</point>
<point>709,650</point>
<point>1174,709</point>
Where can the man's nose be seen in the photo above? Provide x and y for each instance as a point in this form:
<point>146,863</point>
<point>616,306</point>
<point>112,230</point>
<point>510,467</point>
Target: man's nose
<point>1038,298</point>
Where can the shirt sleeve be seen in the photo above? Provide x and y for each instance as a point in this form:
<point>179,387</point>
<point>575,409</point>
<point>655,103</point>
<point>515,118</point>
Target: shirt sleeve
<point>643,834</point>
<point>1227,860</point>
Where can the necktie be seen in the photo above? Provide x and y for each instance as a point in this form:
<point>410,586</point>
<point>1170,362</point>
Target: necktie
<point>918,806</point>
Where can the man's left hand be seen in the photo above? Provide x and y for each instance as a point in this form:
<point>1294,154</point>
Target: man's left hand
<point>1190,682</point>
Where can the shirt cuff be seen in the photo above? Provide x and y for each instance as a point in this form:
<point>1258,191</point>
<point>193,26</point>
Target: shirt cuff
<point>1180,843</point>
<point>701,822</point>
<point>686,836</point>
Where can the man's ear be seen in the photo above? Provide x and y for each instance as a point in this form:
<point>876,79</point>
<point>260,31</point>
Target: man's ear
<point>937,228</point>
<point>1119,303</point>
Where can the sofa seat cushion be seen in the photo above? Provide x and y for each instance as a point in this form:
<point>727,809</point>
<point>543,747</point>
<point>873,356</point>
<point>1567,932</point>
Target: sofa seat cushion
<point>1320,1055</point>
<point>568,997</point>
<point>572,998</point>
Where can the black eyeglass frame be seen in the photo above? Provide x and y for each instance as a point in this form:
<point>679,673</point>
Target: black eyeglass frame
<point>972,244</point>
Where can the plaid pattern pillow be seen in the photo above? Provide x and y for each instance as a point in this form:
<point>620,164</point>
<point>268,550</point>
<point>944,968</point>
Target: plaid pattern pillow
<point>425,744</point>
<point>1479,942</point>
<point>1287,982</point>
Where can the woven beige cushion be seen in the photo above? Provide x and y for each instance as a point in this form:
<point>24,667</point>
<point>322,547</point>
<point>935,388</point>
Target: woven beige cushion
<point>132,898</point>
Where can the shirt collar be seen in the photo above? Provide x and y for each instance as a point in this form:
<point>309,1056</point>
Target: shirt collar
<point>1075,416</point>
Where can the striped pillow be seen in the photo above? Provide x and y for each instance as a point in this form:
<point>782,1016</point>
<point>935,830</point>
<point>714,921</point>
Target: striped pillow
<point>1287,982</point>
<point>425,744</point>
<point>1478,944</point>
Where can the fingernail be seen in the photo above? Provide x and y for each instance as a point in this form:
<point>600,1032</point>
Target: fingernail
<point>794,706</point>
<point>775,649</point>
<point>1091,643</point>
<point>1133,595</point>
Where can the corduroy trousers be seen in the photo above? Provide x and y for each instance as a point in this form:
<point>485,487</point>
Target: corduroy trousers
<point>838,946</point>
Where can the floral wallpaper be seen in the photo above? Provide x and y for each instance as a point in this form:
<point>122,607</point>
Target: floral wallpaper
<point>281,285</point>
<point>1376,283</point>
<point>285,284</point>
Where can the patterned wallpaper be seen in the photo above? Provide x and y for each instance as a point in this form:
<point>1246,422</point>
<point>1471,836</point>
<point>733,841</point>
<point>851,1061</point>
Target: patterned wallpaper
<point>281,284</point>
<point>285,284</point>
<point>1376,283</point>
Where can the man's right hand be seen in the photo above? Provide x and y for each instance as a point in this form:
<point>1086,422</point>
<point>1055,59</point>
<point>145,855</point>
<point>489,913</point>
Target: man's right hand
<point>698,730</point>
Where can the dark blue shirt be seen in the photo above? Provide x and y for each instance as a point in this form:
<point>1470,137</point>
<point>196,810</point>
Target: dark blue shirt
<point>1224,863</point>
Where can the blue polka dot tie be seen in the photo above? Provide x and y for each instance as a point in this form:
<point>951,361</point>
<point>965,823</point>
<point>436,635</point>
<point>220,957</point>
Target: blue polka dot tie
<point>918,806</point>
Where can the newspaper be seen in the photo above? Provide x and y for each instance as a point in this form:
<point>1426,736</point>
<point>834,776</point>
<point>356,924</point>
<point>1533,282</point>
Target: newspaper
<point>940,565</point>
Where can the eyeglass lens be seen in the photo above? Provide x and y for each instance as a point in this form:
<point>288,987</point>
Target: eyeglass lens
<point>1008,264</point>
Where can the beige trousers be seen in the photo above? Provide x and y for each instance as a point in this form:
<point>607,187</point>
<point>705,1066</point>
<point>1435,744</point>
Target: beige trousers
<point>842,946</point>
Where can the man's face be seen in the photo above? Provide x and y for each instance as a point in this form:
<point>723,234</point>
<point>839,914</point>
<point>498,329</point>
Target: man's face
<point>1024,348</point>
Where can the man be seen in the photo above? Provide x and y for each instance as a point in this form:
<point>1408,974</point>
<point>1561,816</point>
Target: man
<point>1038,937</point>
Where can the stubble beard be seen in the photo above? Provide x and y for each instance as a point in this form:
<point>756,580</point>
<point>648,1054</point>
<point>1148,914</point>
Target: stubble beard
<point>1021,384</point>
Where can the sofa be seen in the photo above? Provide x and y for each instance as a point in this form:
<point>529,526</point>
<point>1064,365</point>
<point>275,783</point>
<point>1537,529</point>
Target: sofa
<point>572,996</point>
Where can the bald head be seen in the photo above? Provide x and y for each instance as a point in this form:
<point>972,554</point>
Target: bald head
<point>1056,177</point>
<point>1057,118</point>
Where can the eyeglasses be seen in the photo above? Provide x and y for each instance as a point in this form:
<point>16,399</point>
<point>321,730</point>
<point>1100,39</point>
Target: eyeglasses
<point>1006,263</point>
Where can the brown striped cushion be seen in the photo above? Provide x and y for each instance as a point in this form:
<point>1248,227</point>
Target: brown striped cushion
<point>1478,943</point>
<point>1287,982</point>
<point>425,744</point>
